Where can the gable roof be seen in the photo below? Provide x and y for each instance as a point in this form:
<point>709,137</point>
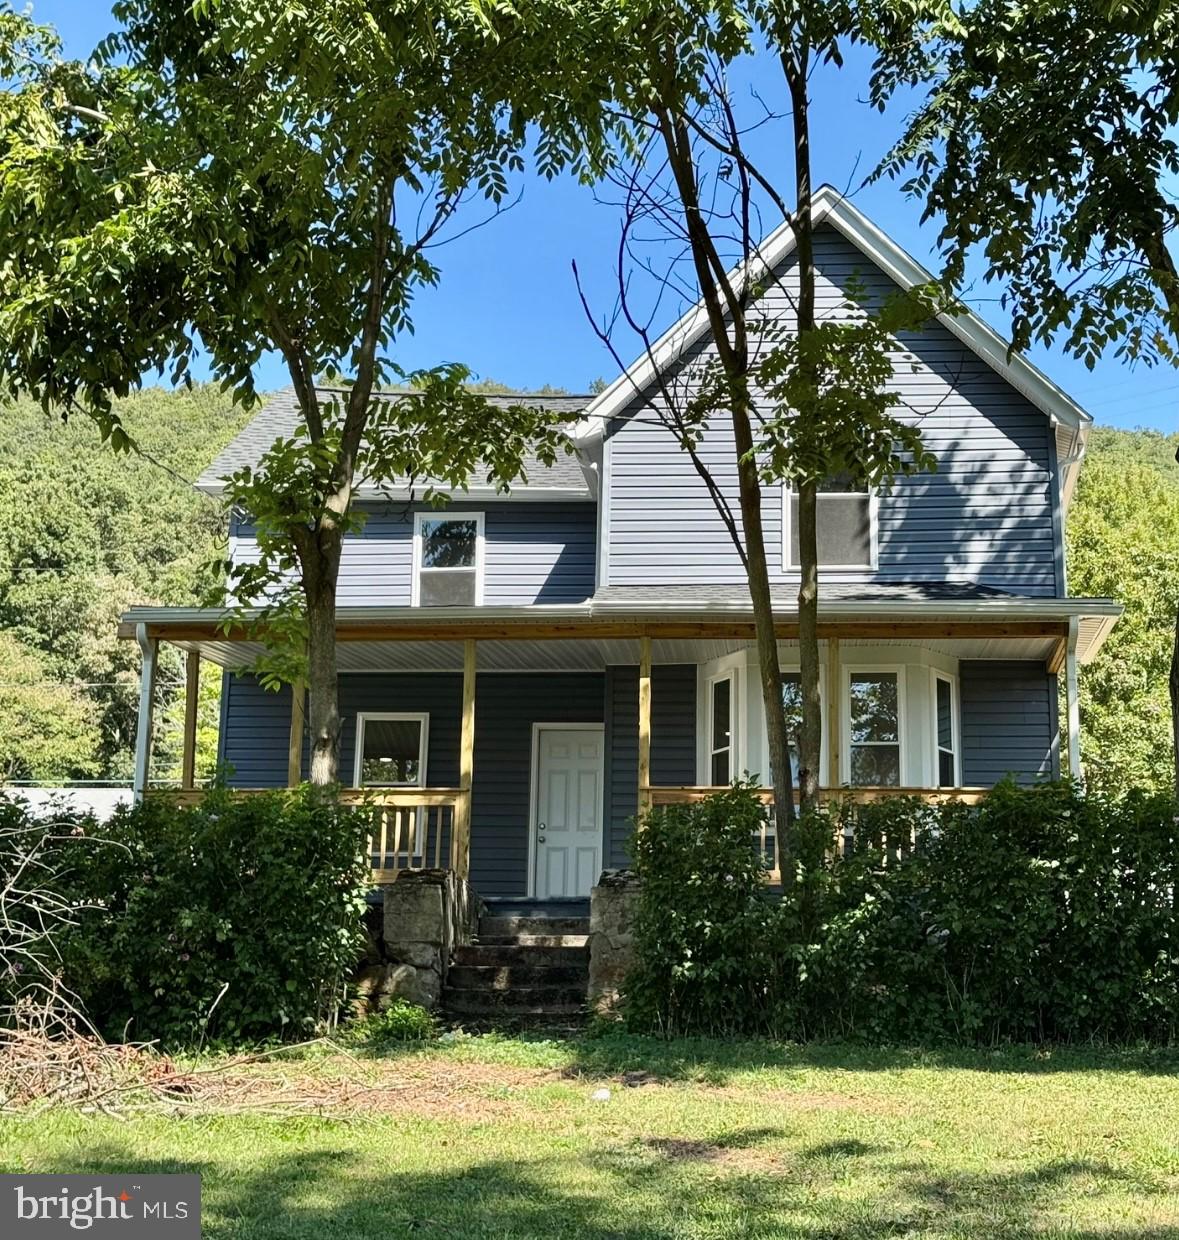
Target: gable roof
<point>566,479</point>
<point>830,207</point>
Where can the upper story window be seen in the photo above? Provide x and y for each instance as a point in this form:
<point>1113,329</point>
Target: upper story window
<point>874,729</point>
<point>846,534</point>
<point>391,750</point>
<point>448,559</point>
<point>945,730</point>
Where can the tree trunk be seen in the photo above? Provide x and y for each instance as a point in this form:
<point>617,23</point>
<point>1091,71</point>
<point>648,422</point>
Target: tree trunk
<point>320,572</point>
<point>769,668</point>
<point>810,741</point>
<point>1175,702</point>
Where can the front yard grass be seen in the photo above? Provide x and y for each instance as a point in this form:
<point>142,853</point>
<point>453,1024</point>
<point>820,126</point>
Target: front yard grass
<point>511,1138</point>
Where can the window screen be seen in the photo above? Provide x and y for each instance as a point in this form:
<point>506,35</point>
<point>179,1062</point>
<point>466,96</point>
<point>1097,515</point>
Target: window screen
<point>448,562</point>
<point>391,752</point>
<point>843,515</point>
<point>874,719</point>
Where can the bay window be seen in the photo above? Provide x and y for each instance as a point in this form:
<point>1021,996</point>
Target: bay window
<point>874,729</point>
<point>945,731</point>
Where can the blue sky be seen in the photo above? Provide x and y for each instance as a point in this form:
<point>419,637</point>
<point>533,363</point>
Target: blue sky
<point>508,307</point>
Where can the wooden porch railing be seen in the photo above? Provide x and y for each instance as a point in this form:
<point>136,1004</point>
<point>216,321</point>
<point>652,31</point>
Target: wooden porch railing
<point>412,827</point>
<point>687,794</point>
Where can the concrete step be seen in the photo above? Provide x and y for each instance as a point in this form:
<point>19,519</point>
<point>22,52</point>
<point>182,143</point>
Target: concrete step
<point>499,926</point>
<point>517,975</point>
<point>519,1001</point>
<point>515,953</point>
<point>533,940</point>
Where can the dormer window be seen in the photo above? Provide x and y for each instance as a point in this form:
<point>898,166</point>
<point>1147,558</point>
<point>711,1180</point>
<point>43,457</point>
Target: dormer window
<point>448,559</point>
<point>846,516</point>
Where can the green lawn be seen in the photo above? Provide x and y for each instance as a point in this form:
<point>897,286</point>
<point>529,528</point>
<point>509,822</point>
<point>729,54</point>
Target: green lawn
<point>504,1138</point>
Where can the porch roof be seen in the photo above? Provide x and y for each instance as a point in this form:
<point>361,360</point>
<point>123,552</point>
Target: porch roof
<point>607,629</point>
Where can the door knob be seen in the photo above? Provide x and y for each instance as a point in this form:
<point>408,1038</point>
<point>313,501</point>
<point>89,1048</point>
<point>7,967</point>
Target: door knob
<point>540,830</point>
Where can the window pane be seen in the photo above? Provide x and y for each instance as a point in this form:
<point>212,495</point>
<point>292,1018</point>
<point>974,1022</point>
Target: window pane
<point>945,769</point>
<point>447,589</point>
<point>722,696</point>
<point>392,751</point>
<point>448,544</point>
<point>792,713</point>
<point>720,767</point>
<point>874,707</point>
<point>875,766</point>
<point>945,714</point>
<point>844,534</point>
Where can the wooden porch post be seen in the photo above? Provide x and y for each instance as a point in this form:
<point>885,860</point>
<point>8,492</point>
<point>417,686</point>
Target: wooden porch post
<point>192,689</point>
<point>461,849</point>
<point>1072,702</point>
<point>149,647</point>
<point>295,743</point>
<point>644,799</point>
<point>834,724</point>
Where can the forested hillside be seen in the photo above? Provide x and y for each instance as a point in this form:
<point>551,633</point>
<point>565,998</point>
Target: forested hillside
<point>84,533</point>
<point>1123,542</point>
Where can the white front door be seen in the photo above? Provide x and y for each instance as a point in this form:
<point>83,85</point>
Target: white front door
<point>567,809</point>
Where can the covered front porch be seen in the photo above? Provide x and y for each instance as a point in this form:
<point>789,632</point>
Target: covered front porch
<point>515,746</point>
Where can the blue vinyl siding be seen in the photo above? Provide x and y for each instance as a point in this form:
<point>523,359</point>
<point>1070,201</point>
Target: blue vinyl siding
<point>535,553</point>
<point>256,737</point>
<point>673,742</point>
<point>985,516</point>
<point>1009,721</point>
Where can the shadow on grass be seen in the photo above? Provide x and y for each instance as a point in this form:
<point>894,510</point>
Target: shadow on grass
<point>714,1060</point>
<point>658,1193</point>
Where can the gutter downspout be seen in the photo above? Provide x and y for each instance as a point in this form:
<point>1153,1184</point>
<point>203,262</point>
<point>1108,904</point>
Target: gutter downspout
<point>1072,701</point>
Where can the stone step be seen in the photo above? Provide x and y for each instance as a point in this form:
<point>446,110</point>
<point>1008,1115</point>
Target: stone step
<point>509,976</point>
<point>533,940</point>
<point>520,1000</point>
<point>515,953</point>
<point>497,926</point>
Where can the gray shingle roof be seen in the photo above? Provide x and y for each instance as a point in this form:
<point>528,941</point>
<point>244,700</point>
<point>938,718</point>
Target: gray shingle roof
<point>787,596</point>
<point>280,415</point>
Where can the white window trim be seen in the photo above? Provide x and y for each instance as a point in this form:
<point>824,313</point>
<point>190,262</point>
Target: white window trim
<point>362,717</point>
<point>937,674</point>
<point>444,514</point>
<point>711,749</point>
<point>873,545</point>
<point>850,670</point>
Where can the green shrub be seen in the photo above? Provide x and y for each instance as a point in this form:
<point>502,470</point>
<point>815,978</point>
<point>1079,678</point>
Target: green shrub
<point>235,920</point>
<point>399,1022</point>
<point>702,926</point>
<point>1042,913</point>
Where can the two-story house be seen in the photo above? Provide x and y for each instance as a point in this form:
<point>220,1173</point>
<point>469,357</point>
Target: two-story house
<point>520,672</point>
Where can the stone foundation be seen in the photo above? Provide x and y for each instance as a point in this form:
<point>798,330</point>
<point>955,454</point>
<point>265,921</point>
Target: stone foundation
<point>425,915</point>
<point>613,905</point>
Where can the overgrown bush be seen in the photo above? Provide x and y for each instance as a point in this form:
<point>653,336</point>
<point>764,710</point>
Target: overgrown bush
<point>1042,913</point>
<point>702,932</point>
<point>236,919</point>
<point>399,1022</point>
